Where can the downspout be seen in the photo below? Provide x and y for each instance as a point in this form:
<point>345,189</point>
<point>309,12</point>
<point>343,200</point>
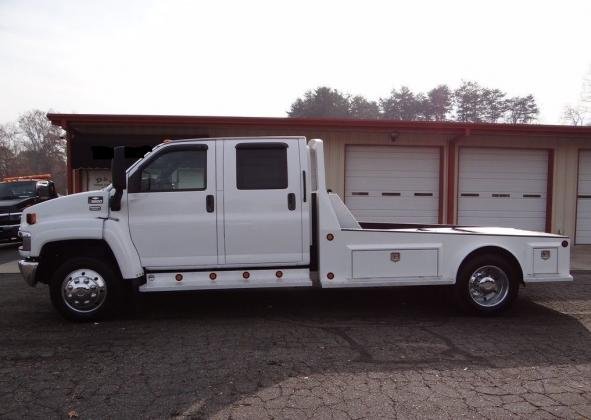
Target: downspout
<point>70,180</point>
<point>451,210</point>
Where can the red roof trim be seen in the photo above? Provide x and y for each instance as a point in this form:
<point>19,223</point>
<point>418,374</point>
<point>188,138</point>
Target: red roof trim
<point>64,120</point>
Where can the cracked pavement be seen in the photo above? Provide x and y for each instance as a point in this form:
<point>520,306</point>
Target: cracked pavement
<point>343,354</point>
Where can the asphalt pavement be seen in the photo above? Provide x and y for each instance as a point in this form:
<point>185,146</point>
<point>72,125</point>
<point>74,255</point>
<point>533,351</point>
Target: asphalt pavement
<point>8,253</point>
<point>377,353</point>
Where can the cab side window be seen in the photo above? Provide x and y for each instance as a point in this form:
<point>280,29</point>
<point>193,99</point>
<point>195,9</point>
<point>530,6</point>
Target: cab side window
<point>261,166</point>
<point>181,170</point>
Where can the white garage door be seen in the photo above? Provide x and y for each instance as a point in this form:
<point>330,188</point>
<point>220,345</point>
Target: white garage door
<point>392,184</point>
<point>584,199</point>
<point>503,187</point>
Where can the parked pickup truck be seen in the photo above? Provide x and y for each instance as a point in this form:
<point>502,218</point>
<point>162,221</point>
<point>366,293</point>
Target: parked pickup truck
<point>236,213</point>
<point>18,193</point>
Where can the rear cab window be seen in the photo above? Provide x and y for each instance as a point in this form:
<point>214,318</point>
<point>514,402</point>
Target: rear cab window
<point>261,166</point>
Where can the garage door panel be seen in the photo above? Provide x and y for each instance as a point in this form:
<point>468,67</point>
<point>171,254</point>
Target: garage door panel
<point>509,205</point>
<point>531,169</point>
<point>522,223</point>
<point>387,185</point>
<point>503,187</point>
<point>397,172</point>
<point>499,152</point>
<point>584,222</point>
<point>524,186</point>
<point>393,183</point>
<point>399,217</point>
<point>404,167</point>
<point>583,233</point>
<point>506,214</point>
<point>401,203</point>
<point>419,153</point>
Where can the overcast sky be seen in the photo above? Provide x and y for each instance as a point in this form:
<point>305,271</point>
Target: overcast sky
<point>253,58</point>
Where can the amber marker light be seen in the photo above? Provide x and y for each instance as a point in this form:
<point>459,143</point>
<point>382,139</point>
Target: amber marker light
<point>31,218</point>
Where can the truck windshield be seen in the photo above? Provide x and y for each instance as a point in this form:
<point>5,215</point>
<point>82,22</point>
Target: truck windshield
<point>14,190</point>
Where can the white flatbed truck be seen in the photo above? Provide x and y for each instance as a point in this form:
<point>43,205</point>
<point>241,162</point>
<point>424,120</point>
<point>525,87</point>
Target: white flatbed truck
<point>235,213</point>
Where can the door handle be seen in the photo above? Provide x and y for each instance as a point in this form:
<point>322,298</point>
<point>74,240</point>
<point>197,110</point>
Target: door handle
<point>291,202</point>
<point>209,203</point>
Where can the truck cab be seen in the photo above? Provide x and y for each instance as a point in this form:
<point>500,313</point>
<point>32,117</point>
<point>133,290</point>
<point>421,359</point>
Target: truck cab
<point>234,213</point>
<point>18,193</point>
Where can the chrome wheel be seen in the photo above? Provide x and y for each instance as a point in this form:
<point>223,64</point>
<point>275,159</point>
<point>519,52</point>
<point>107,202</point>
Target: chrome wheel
<point>84,290</point>
<point>488,286</point>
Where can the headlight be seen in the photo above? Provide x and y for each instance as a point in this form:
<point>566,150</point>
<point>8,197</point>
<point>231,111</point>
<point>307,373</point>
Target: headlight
<point>26,237</point>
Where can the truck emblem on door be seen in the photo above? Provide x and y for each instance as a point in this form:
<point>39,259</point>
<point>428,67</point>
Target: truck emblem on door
<point>395,256</point>
<point>95,200</point>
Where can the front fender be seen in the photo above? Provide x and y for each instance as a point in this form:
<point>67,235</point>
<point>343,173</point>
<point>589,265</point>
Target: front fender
<point>54,230</point>
<point>116,235</point>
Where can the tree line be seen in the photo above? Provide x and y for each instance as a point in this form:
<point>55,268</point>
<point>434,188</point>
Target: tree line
<point>470,102</point>
<point>32,145</point>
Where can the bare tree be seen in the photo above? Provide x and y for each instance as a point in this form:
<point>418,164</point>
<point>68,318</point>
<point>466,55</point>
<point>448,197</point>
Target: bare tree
<point>573,115</point>
<point>33,145</point>
<point>8,152</point>
<point>39,135</point>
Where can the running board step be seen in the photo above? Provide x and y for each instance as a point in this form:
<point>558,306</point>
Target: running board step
<point>207,280</point>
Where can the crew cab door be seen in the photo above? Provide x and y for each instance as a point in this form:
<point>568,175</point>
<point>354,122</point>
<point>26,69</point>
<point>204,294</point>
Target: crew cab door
<point>262,202</point>
<point>172,207</point>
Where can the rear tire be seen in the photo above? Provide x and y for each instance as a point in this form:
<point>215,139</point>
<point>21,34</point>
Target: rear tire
<point>486,285</point>
<point>85,289</point>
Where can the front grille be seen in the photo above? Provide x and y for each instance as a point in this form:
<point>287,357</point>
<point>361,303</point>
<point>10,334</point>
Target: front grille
<point>4,209</point>
<point>5,220</point>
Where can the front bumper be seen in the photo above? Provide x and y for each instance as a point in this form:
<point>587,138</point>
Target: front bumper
<point>9,233</point>
<point>28,269</point>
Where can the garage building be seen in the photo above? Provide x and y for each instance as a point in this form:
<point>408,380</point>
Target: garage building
<point>535,177</point>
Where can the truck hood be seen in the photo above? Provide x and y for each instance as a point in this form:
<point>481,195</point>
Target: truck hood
<point>90,204</point>
<point>14,205</point>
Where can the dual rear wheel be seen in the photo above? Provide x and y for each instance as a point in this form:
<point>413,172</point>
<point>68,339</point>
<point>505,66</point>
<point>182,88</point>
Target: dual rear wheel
<point>487,284</point>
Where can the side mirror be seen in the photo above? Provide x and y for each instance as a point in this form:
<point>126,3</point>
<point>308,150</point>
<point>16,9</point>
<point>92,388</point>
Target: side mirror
<point>43,192</point>
<point>52,192</point>
<point>118,176</point>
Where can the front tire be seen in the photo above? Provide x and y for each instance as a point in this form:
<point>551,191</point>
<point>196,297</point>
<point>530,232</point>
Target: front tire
<point>85,289</point>
<point>487,285</point>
